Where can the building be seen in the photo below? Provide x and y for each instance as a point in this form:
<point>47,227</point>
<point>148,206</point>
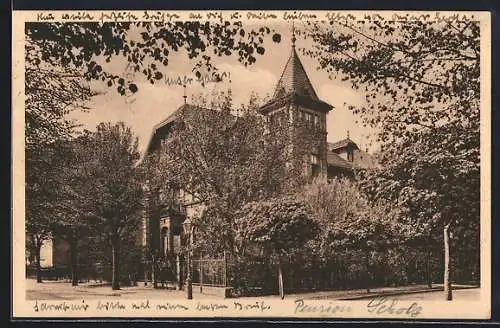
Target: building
<point>295,100</point>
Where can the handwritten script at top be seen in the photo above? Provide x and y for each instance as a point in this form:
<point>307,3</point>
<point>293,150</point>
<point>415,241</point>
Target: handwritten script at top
<point>220,16</point>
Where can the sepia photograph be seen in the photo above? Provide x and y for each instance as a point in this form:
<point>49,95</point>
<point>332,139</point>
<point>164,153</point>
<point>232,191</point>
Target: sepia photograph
<point>251,163</point>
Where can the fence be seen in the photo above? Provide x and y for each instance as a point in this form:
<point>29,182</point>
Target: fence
<point>210,272</point>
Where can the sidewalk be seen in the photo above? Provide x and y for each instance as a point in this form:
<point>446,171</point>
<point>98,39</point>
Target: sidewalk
<point>92,290</point>
<point>64,290</point>
<point>359,294</point>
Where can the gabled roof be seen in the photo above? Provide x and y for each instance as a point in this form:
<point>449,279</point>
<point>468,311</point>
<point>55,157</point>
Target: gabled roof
<point>338,145</point>
<point>172,117</point>
<point>361,160</point>
<point>160,129</point>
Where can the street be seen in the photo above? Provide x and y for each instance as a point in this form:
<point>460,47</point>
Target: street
<point>459,294</point>
<point>56,290</point>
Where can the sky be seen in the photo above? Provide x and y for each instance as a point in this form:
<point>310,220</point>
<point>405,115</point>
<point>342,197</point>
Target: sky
<point>153,103</point>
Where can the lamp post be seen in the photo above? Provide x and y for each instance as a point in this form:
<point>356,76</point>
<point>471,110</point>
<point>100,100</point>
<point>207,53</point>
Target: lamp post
<point>189,227</point>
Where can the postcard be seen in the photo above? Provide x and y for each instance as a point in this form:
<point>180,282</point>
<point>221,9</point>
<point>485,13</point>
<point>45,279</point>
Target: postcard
<point>251,164</point>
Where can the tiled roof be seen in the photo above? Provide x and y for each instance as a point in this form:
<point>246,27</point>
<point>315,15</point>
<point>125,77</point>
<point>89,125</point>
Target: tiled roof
<point>341,144</point>
<point>361,160</point>
<point>335,160</point>
<point>294,86</point>
<point>172,117</point>
<point>294,79</point>
<point>161,128</point>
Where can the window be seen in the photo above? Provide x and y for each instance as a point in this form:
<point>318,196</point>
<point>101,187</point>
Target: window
<point>316,120</point>
<point>350,155</point>
<point>314,159</point>
<point>271,119</point>
<point>164,240</point>
<point>315,167</point>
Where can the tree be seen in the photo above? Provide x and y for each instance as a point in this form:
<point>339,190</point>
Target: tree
<point>279,226</point>
<point>223,161</point>
<point>111,195</point>
<point>50,95</point>
<point>421,80</point>
<point>71,221</point>
<point>42,187</point>
<point>349,221</point>
<point>145,45</point>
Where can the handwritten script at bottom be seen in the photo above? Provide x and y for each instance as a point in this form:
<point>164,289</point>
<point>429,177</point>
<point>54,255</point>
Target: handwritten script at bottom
<point>302,306</point>
<point>384,305</point>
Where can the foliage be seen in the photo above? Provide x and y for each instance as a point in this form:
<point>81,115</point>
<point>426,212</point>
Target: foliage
<point>50,95</point>
<point>348,220</point>
<point>422,85</point>
<point>416,74</point>
<point>145,45</point>
<point>43,189</point>
<point>109,171</point>
<point>279,225</point>
<point>222,161</point>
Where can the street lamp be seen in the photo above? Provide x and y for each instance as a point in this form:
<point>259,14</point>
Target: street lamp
<point>189,227</point>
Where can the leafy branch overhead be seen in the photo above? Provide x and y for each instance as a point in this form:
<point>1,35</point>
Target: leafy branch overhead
<point>421,80</point>
<point>414,74</point>
<point>145,45</point>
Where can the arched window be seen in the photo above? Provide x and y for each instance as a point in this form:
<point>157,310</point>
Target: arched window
<point>164,241</point>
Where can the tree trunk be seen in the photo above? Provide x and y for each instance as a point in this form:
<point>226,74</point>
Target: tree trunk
<point>74,263</point>
<point>115,282</point>
<point>447,266</point>
<point>38,247</point>
<point>280,280</point>
<point>428,268</point>
<point>178,272</point>
<point>154,278</point>
<point>367,266</point>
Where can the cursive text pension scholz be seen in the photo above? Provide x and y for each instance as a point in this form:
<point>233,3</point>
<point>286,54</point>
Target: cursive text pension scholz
<point>384,305</point>
<point>323,308</point>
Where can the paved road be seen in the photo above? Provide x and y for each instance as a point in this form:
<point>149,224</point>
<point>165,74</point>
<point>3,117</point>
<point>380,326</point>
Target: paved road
<point>52,290</point>
<point>64,291</point>
<point>472,294</point>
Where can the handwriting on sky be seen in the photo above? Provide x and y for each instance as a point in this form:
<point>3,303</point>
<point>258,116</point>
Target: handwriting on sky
<point>165,16</point>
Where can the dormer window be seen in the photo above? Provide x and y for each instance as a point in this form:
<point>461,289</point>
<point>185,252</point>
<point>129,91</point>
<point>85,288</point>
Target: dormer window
<point>350,153</point>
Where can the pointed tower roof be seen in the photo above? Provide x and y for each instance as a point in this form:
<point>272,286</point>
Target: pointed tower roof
<point>294,86</point>
<point>294,79</point>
